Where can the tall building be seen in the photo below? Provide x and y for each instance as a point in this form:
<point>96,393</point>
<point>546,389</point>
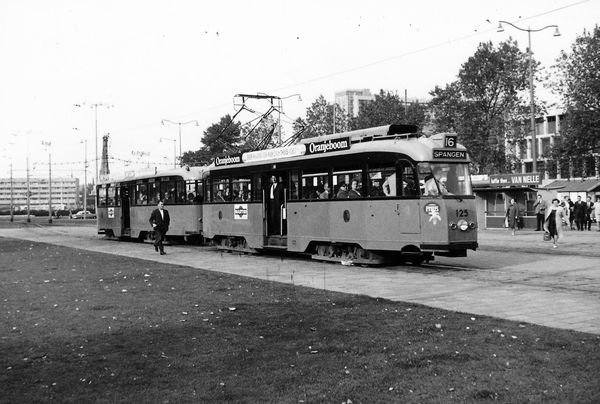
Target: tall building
<point>351,100</point>
<point>65,193</point>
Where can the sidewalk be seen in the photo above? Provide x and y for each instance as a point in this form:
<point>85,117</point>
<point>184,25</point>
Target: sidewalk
<point>573,242</point>
<point>539,292</point>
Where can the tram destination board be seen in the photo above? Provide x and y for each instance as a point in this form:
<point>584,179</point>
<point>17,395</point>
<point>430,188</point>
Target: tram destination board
<point>452,154</point>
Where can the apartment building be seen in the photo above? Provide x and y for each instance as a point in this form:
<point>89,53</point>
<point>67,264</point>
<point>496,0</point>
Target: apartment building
<point>64,191</point>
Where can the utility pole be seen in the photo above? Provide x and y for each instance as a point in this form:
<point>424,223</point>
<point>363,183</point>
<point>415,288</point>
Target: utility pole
<point>179,123</point>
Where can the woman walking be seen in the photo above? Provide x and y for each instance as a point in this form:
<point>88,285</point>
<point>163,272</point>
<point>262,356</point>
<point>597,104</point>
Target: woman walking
<point>553,221</point>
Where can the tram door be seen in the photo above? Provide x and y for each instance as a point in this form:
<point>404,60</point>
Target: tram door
<point>125,214</point>
<point>276,190</point>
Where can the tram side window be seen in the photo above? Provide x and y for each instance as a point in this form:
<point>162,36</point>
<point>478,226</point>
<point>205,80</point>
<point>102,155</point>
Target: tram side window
<point>257,188</point>
<point>168,192</point>
<point>154,192</point>
<point>220,187</point>
<point>315,184</point>
<point>293,192</point>
<point>193,191</point>
<point>377,177</point>
<point>344,179</point>
<point>180,189</point>
<point>111,192</point>
<point>242,189</point>
<point>141,194</point>
<point>102,196</point>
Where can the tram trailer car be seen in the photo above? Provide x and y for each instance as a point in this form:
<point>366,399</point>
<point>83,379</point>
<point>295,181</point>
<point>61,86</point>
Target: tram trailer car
<point>125,204</point>
<point>372,196</point>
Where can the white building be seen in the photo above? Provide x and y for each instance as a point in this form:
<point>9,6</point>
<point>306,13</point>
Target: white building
<point>351,100</point>
<point>65,193</point>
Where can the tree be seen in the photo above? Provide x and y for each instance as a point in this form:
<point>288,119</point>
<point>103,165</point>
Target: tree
<point>260,135</point>
<point>485,105</point>
<point>577,80</point>
<point>219,139</point>
<point>388,108</point>
<point>320,119</point>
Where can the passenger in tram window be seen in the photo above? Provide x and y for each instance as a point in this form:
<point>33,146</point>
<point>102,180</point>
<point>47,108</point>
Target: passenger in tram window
<point>376,190</point>
<point>190,197</point>
<point>409,187</point>
<point>219,196</point>
<point>227,195</point>
<point>326,192</point>
<point>389,186</point>
<point>354,191</point>
<point>343,191</point>
<point>237,196</point>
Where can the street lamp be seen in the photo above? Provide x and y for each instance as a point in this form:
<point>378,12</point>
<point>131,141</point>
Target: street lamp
<point>532,102</point>
<point>179,123</point>
<point>95,106</point>
<point>174,149</point>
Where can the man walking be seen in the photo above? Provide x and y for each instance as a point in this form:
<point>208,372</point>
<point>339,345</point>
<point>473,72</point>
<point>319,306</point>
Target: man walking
<point>579,210</point>
<point>540,211</point>
<point>589,213</point>
<point>160,220</point>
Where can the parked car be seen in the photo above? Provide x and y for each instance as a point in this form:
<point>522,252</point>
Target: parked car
<point>86,214</point>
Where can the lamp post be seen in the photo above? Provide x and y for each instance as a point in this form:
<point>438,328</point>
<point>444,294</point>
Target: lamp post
<point>178,123</point>
<point>531,89</point>
<point>174,149</point>
<point>95,106</point>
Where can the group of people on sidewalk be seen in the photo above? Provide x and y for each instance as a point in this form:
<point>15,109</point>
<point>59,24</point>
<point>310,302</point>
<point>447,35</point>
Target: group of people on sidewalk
<point>556,216</point>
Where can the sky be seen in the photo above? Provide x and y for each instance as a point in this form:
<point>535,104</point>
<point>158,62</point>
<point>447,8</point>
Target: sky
<point>134,65</point>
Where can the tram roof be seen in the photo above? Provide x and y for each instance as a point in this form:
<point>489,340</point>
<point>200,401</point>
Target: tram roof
<point>401,139</point>
<point>187,173</point>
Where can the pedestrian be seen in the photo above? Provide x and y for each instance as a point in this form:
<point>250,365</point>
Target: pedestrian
<point>540,210</point>
<point>579,213</point>
<point>160,220</point>
<point>512,215</point>
<point>597,211</point>
<point>589,213</point>
<point>553,223</point>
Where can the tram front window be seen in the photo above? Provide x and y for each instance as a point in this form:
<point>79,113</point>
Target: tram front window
<point>444,179</point>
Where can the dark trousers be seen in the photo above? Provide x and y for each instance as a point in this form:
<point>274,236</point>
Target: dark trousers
<point>540,221</point>
<point>159,238</point>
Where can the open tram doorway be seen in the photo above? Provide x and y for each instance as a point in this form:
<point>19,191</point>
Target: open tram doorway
<point>125,211</point>
<point>276,195</point>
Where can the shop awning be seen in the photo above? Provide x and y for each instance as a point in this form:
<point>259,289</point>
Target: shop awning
<point>590,185</point>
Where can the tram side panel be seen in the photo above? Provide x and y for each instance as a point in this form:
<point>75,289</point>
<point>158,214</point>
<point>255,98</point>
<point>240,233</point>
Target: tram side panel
<point>244,220</point>
<point>185,220</point>
<point>373,224</point>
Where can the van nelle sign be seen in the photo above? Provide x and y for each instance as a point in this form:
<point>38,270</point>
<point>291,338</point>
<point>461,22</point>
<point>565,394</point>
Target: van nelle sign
<point>507,180</point>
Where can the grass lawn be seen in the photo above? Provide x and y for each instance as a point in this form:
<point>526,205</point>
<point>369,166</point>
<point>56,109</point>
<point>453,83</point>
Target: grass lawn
<point>84,327</point>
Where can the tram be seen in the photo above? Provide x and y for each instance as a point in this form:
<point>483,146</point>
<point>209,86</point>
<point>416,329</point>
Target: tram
<point>372,196</point>
<point>124,205</point>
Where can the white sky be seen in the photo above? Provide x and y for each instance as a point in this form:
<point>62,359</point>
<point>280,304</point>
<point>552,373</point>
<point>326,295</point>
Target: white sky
<point>185,60</point>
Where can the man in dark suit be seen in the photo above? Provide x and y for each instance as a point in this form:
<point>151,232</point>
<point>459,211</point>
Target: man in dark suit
<point>160,220</point>
<point>579,210</point>
<point>275,195</point>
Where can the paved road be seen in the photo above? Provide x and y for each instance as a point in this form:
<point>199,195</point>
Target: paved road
<point>518,277</point>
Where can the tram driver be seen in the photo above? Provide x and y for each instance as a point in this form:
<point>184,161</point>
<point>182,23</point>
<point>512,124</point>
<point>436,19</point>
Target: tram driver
<point>434,184</point>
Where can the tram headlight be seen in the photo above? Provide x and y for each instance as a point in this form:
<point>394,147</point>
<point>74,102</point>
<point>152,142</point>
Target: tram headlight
<point>453,226</point>
<point>472,225</point>
<point>463,225</point>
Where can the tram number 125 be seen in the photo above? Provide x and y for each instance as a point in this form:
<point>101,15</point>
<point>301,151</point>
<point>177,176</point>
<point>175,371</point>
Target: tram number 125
<point>462,213</point>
